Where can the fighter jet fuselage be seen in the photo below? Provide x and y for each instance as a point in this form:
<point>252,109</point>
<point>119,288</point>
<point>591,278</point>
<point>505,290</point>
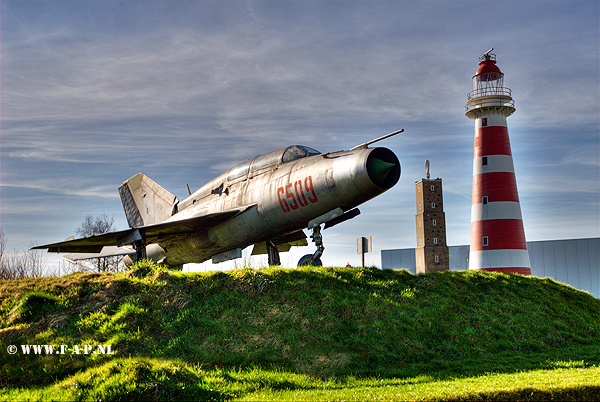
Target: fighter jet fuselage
<point>265,201</point>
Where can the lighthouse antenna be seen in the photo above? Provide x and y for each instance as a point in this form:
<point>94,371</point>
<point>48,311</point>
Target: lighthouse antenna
<point>487,56</point>
<point>488,52</point>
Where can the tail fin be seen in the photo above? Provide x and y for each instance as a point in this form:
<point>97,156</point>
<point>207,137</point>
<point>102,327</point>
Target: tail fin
<point>145,202</point>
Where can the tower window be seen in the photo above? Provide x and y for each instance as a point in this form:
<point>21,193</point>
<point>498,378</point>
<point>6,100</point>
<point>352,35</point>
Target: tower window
<point>433,205</point>
<point>437,258</point>
<point>484,161</point>
<point>485,240</point>
<point>435,240</point>
<point>484,199</point>
<point>432,187</point>
<point>434,222</point>
<point>484,122</point>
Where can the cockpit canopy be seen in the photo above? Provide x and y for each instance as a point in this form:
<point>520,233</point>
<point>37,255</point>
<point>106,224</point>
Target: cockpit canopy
<point>296,152</point>
<point>283,155</point>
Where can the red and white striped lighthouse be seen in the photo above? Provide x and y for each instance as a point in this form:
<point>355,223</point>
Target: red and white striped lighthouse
<point>497,234</point>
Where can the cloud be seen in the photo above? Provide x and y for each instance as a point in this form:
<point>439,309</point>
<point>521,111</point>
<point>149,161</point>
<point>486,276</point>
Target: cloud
<point>64,187</point>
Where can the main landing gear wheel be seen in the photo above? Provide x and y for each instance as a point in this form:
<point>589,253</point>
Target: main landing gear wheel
<point>314,259</point>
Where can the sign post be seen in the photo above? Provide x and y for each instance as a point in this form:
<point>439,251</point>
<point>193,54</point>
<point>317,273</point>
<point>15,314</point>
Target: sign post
<point>364,245</point>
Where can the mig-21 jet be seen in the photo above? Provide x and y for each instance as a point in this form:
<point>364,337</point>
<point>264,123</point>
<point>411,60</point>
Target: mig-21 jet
<point>265,201</point>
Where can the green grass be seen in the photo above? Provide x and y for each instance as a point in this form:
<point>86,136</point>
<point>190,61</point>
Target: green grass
<point>306,333</point>
<point>159,380</point>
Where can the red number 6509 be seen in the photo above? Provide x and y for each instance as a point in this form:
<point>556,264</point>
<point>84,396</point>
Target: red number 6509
<point>294,195</point>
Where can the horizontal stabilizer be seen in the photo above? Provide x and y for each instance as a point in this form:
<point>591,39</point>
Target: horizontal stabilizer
<point>110,251</point>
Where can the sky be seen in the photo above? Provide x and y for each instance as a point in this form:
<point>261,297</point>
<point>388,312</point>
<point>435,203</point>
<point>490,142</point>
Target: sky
<point>93,92</point>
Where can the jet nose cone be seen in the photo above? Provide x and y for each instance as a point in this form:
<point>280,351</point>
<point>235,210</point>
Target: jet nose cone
<point>383,168</point>
<point>379,168</point>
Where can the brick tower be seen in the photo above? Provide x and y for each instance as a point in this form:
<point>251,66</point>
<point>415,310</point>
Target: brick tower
<point>497,234</point>
<point>431,254</point>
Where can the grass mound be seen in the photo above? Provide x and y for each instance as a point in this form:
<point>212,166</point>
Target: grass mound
<point>32,306</point>
<point>330,324</point>
<point>138,380</point>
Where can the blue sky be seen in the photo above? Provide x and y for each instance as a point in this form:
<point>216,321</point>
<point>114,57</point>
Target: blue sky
<point>93,92</point>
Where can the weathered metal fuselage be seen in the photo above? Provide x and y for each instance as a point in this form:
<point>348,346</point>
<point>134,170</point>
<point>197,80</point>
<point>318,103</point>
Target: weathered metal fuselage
<point>282,197</point>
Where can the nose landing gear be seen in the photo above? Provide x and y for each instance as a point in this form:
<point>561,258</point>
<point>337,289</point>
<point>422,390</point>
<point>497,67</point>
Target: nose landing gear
<point>314,259</point>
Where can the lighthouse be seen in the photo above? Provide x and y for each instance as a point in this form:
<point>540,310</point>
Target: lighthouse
<point>497,234</point>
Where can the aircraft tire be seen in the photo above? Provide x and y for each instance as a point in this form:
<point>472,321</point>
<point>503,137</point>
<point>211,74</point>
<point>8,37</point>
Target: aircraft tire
<point>304,261</point>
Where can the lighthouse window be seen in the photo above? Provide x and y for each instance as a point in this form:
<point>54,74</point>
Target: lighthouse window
<point>484,122</point>
<point>485,240</point>
<point>484,200</point>
<point>484,161</point>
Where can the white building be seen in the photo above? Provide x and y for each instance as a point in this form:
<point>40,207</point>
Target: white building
<point>575,262</point>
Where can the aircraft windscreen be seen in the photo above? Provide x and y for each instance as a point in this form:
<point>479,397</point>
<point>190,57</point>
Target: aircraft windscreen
<point>298,151</point>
